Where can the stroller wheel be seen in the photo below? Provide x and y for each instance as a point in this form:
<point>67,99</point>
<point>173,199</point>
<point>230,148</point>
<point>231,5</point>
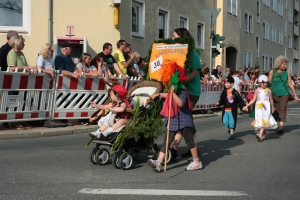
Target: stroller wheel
<point>126,161</point>
<point>116,160</point>
<point>102,156</point>
<point>93,156</point>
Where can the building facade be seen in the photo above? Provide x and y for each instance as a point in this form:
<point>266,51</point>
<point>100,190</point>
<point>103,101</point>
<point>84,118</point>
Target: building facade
<point>88,24</point>
<point>257,32</point>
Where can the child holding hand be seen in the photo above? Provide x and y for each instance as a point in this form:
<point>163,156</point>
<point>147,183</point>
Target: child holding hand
<point>264,107</point>
<point>230,99</point>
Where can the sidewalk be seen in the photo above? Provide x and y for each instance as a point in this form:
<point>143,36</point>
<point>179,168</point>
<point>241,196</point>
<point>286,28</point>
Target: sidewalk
<point>40,132</point>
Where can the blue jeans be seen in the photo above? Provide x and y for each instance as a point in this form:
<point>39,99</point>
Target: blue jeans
<point>228,120</point>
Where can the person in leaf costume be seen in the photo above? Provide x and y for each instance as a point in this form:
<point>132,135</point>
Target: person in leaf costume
<point>192,84</point>
<point>180,114</point>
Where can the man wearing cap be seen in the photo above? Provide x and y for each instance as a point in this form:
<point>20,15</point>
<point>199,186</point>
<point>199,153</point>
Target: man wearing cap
<point>119,57</point>
<point>64,63</point>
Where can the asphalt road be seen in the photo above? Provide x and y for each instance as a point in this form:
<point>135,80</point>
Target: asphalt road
<point>59,167</point>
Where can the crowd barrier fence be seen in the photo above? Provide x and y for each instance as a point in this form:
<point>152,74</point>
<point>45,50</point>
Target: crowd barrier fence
<point>30,97</point>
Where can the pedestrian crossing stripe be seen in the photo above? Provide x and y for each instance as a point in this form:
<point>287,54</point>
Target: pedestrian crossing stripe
<point>157,192</point>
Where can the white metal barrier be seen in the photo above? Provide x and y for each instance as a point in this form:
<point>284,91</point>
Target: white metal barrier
<point>209,96</point>
<point>29,97</point>
<point>25,96</point>
<point>73,96</point>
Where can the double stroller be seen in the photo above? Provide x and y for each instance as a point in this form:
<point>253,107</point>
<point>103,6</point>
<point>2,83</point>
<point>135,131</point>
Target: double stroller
<point>126,143</point>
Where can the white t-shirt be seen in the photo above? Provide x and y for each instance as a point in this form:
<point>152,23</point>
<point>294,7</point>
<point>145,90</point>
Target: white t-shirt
<point>86,69</point>
<point>236,83</point>
<point>46,63</point>
<point>213,77</point>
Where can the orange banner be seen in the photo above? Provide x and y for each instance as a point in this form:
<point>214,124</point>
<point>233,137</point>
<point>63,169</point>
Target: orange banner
<point>162,54</point>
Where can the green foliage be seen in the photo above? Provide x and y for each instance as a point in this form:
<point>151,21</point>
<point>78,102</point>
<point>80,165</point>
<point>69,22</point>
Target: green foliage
<point>146,125</point>
<point>187,64</point>
<point>89,142</point>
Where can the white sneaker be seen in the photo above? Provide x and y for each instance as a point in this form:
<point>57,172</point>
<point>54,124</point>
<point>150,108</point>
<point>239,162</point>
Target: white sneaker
<point>95,134</point>
<point>194,166</point>
<point>154,164</point>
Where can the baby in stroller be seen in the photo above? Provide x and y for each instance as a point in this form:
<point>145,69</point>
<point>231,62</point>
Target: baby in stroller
<point>119,104</point>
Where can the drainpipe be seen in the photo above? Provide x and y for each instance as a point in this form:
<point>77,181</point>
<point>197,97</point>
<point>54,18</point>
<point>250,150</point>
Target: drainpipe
<point>50,22</point>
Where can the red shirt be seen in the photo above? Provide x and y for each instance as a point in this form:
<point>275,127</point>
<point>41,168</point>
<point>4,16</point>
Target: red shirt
<point>250,95</point>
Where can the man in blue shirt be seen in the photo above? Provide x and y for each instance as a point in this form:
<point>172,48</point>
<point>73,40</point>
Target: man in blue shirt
<point>64,63</point>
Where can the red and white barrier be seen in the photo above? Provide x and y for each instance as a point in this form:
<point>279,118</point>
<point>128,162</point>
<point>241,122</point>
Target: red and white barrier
<point>73,96</point>
<point>25,96</point>
<point>28,97</point>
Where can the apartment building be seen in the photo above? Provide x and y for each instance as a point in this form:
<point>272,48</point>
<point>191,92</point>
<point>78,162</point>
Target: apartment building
<point>257,32</point>
<point>88,24</point>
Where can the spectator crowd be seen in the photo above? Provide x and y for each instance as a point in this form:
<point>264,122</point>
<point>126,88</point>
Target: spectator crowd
<point>122,63</point>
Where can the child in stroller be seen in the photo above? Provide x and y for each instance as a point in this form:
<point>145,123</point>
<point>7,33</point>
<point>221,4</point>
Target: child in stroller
<point>137,137</point>
<point>119,103</point>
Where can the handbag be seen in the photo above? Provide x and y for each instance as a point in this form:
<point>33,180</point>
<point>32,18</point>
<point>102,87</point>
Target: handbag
<point>290,95</point>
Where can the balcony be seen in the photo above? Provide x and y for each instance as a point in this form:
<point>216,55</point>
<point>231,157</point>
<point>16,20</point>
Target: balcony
<point>296,54</point>
<point>296,5</point>
<point>296,30</point>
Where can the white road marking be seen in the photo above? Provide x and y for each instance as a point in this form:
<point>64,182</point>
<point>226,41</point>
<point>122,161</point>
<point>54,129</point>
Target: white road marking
<point>162,192</point>
<point>293,114</point>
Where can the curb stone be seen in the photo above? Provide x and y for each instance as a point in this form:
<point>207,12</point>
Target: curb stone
<point>42,132</point>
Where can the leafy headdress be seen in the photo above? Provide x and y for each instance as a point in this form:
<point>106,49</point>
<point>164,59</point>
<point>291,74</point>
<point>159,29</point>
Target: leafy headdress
<point>173,74</point>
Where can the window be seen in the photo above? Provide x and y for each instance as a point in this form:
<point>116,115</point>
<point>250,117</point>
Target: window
<point>265,30</point>
<point>285,2</point>
<point>280,8</point>
<point>247,59</point>
<point>137,19</point>
<point>266,3</point>
<point>271,63</point>
<point>273,33</point>
<point>285,28</point>
<point>280,36</point>
<point>248,22</point>
<point>183,22</point>
<point>274,5</point>
<point>290,42</point>
<point>265,62</point>
<point>293,71</point>
<point>231,7</point>
<point>258,12</point>
<point>200,35</point>
<point>257,46</point>
<point>163,18</point>
<point>290,15</point>
<point>15,16</point>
